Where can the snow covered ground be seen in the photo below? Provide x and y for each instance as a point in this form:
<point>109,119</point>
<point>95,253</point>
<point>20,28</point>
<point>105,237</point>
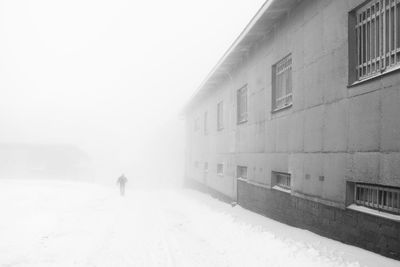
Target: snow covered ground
<point>45,223</point>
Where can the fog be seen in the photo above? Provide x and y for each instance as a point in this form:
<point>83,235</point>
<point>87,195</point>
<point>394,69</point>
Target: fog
<point>107,78</point>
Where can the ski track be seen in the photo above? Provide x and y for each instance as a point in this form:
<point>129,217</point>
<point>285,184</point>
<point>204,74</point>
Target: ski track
<point>76,224</point>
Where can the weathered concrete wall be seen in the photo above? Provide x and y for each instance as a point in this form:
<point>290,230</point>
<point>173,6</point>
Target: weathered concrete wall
<point>331,130</point>
<point>369,232</point>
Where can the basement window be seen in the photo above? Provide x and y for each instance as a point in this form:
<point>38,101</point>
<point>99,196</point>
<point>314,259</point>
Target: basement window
<point>374,39</point>
<point>281,181</point>
<point>282,96</point>
<point>220,169</point>
<point>241,172</point>
<point>378,197</point>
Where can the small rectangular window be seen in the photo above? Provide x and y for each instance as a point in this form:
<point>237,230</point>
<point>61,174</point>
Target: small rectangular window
<point>220,169</point>
<point>220,116</point>
<point>282,180</point>
<point>241,172</point>
<point>377,197</point>
<point>282,95</point>
<point>242,105</point>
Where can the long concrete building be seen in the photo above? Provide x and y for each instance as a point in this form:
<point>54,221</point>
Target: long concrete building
<point>300,120</point>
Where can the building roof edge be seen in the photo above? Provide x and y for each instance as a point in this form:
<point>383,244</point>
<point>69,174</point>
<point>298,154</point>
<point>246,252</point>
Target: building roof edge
<point>267,4</point>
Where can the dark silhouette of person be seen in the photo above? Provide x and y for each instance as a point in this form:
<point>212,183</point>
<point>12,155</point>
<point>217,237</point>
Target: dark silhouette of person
<point>122,180</point>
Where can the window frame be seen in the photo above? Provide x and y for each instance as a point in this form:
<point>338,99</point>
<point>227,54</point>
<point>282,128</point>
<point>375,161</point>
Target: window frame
<point>288,104</point>
<point>381,44</point>
<point>205,167</point>
<point>282,185</point>
<point>376,197</point>
<point>242,116</point>
<point>239,169</point>
<point>220,171</point>
<point>220,115</point>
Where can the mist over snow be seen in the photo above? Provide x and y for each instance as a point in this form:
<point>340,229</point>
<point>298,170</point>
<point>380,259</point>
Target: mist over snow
<point>109,77</point>
<point>92,89</point>
<point>55,223</point>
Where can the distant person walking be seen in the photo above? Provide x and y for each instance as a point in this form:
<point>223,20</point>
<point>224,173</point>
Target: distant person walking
<point>122,180</point>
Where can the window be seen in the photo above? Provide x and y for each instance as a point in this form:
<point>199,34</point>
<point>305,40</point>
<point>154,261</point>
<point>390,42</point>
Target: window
<point>282,84</point>
<point>377,42</point>
<point>282,180</point>
<point>377,197</point>
<point>220,116</point>
<point>205,123</point>
<point>241,172</point>
<point>196,124</point>
<point>242,105</point>
<point>220,169</point>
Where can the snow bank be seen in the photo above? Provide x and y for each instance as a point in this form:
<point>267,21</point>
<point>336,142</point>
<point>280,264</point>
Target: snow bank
<point>46,223</point>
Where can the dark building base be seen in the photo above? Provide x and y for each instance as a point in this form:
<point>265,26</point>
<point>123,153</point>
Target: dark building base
<point>370,232</point>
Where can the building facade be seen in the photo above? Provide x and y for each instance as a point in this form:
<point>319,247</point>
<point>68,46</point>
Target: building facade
<point>300,120</point>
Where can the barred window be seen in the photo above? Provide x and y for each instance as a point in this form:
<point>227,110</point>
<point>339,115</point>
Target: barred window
<point>282,180</point>
<point>377,37</point>
<point>282,84</point>
<point>242,105</point>
<point>220,169</point>
<point>241,172</point>
<point>220,116</point>
<point>377,197</point>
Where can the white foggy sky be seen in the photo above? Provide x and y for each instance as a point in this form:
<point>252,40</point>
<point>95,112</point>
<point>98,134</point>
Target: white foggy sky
<point>106,71</point>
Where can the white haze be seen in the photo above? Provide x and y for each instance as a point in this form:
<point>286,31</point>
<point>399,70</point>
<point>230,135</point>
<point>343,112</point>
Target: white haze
<point>110,77</point>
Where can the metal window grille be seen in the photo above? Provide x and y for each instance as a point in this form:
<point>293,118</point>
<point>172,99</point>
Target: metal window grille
<point>377,32</point>
<point>242,105</point>
<point>283,180</point>
<point>220,115</point>
<point>241,172</point>
<point>220,169</point>
<point>283,91</point>
<point>378,197</point>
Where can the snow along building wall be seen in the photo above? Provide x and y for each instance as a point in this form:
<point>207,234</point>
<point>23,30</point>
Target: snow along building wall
<point>338,131</point>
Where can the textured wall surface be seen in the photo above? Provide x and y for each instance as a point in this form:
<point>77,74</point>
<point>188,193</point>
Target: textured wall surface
<point>369,232</point>
<point>332,130</point>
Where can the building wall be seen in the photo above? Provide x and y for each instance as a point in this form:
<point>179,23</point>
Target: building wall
<point>352,227</point>
<point>332,130</point>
